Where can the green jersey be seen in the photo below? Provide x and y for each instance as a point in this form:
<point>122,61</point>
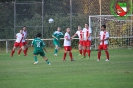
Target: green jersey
<point>38,44</point>
<point>58,35</point>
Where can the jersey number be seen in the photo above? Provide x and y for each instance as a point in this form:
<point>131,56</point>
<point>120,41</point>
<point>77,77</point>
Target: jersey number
<point>38,44</point>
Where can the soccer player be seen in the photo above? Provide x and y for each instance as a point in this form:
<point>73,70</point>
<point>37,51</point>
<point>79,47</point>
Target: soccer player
<point>38,45</point>
<point>103,38</point>
<point>24,41</point>
<point>87,40</point>
<point>56,40</point>
<point>67,45</point>
<point>18,43</point>
<point>79,33</point>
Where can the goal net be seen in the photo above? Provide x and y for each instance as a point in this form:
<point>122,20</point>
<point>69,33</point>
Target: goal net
<point>121,31</point>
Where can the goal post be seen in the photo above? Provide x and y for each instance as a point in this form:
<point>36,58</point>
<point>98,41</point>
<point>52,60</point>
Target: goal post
<point>121,31</point>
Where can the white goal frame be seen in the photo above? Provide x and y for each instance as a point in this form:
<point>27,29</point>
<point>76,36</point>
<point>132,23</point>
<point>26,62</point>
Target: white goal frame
<point>95,36</point>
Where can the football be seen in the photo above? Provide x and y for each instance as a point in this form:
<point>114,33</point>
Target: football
<point>51,20</point>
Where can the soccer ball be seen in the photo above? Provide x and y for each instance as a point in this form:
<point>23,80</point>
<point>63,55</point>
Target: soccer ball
<point>50,20</point>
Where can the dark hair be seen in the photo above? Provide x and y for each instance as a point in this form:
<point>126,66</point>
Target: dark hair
<point>58,27</point>
<point>38,35</point>
<point>87,24</point>
<point>103,26</point>
<point>24,26</point>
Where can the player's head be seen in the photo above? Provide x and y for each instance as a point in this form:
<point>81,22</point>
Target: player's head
<point>24,28</point>
<point>68,30</point>
<point>21,31</point>
<point>58,28</point>
<point>86,25</point>
<point>79,27</point>
<point>39,35</point>
<point>103,27</point>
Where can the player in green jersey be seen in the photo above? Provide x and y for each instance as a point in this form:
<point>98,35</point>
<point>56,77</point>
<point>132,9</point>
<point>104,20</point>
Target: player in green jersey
<point>56,40</point>
<point>38,45</point>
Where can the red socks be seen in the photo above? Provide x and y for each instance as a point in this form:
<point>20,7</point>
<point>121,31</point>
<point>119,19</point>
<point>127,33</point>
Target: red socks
<point>80,51</point>
<point>12,52</point>
<point>89,51</point>
<point>84,53</point>
<point>107,54</point>
<point>64,57</point>
<point>70,54</point>
<point>25,52</point>
<point>26,49</point>
<point>19,51</point>
<point>99,55</point>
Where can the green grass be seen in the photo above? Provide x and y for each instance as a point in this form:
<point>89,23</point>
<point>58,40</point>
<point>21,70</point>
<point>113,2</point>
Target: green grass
<point>19,72</point>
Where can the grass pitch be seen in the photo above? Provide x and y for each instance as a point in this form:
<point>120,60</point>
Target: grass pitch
<point>20,72</point>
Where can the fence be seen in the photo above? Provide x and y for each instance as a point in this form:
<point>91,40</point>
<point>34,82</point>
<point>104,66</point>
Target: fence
<point>66,13</point>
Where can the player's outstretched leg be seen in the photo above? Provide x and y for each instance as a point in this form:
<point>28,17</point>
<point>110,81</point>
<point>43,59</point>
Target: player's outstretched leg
<point>99,55</point>
<point>107,55</point>
<point>13,51</point>
<point>35,59</point>
<point>47,61</point>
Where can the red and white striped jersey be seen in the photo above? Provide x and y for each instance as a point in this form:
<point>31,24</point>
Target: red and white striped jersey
<point>80,34</point>
<point>87,32</point>
<point>19,37</point>
<point>25,36</point>
<point>103,35</point>
<point>66,42</point>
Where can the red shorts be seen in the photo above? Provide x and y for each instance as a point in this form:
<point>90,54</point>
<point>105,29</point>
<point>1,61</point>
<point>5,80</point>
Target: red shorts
<point>80,42</point>
<point>67,48</point>
<point>24,43</point>
<point>103,47</point>
<point>16,44</point>
<point>87,43</point>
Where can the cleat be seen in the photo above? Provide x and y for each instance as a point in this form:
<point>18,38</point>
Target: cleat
<point>107,60</point>
<point>36,62</point>
<point>55,54</point>
<point>25,54</point>
<point>49,63</point>
<point>98,59</point>
<point>18,55</point>
<point>64,60</point>
<point>80,54</point>
<point>11,56</point>
<point>83,57</point>
<point>72,60</point>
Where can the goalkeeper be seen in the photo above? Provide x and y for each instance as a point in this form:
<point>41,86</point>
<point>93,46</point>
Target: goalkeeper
<point>56,40</point>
